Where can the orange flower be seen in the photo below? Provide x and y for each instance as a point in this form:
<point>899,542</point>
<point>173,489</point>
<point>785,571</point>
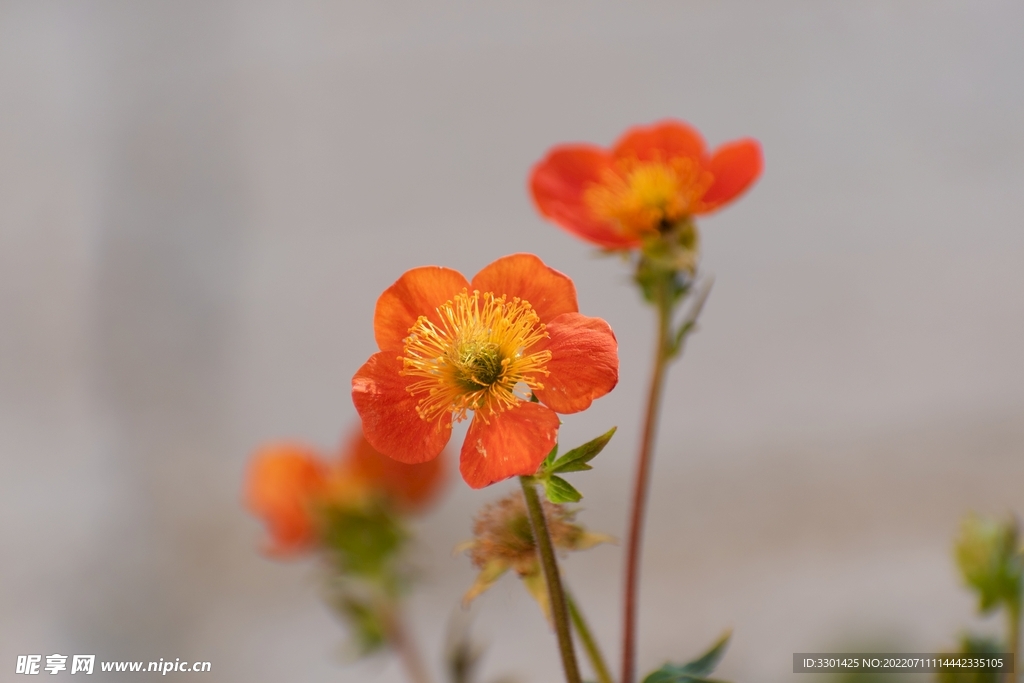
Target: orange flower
<point>449,346</point>
<point>282,485</point>
<point>651,179</point>
<point>288,485</point>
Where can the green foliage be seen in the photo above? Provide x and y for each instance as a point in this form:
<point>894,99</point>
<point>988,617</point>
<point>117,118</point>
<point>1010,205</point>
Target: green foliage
<point>989,557</point>
<point>695,671</point>
<point>576,460</point>
<point>550,460</point>
<point>557,489</point>
<point>364,542</point>
<point>977,646</point>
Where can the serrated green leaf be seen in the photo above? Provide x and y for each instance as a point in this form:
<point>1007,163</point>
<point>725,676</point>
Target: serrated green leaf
<point>558,490</point>
<point>695,670</point>
<point>574,459</point>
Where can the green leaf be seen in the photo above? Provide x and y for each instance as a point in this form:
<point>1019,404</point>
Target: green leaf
<point>576,460</point>
<point>573,467</point>
<point>550,460</point>
<point>558,490</point>
<point>689,323</point>
<point>693,671</point>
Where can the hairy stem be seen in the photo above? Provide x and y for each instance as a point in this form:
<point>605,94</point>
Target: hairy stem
<point>559,610</point>
<point>589,642</point>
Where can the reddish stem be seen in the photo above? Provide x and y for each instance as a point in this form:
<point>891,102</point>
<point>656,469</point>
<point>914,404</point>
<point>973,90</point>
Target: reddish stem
<point>643,472</point>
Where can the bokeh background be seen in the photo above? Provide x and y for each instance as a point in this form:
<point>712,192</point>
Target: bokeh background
<point>201,201</point>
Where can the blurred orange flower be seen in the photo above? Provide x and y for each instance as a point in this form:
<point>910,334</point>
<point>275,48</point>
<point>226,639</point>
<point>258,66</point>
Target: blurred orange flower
<point>405,487</point>
<point>288,485</point>
<point>282,484</point>
<point>492,346</point>
<point>652,178</point>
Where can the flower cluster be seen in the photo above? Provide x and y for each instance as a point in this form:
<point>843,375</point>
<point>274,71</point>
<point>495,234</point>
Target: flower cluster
<point>509,351</point>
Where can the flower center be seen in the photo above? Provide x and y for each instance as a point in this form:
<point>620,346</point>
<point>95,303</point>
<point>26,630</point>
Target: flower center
<point>641,196</point>
<point>476,357</point>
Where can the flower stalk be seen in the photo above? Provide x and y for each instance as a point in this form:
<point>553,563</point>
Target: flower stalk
<point>665,291</point>
<point>556,594</point>
<point>642,482</point>
<point>404,646</point>
<point>590,644</point>
<point>1013,635</point>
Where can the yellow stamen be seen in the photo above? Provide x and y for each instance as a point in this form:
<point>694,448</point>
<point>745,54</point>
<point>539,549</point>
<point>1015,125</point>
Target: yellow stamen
<point>642,196</point>
<point>475,357</point>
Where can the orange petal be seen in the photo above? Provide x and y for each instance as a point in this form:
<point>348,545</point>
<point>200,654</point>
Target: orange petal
<point>510,443</point>
<point>418,292</point>
<point>390,421</point>
<point>557,184</point>
<point>408,487</point>
<point>280,486</point>
<point>524,275</point>
<point>735,165</point>
<point>584,362</point>
<point>663,140</point>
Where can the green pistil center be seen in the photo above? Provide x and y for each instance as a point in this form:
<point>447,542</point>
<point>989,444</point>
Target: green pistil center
<point>480,365</point>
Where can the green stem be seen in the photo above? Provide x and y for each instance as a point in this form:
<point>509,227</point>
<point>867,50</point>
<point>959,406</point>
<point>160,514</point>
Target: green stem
<point>1013,614</point>
<point>403,645</point>
<point>662,353</point>
<point>559,611</point>
<point>589,642</point>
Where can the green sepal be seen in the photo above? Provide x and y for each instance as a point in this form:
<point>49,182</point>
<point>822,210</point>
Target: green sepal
<point>558,490</point>
<point>693,671</point>
<point>364,542</point>
<point>576,460</point>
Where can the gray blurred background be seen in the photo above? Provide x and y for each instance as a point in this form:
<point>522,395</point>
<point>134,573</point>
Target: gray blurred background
<point>201,201</point>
